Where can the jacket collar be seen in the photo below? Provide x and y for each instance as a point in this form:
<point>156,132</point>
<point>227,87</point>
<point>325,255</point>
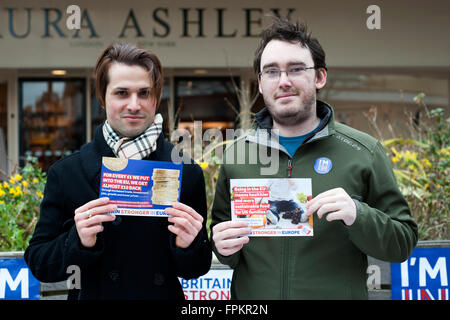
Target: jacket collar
<point>91,157</point>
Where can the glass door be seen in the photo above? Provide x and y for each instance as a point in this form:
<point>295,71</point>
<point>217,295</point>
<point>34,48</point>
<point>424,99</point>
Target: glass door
<point>52,118</point>
<point>3,131</point>
<point>211,100</point>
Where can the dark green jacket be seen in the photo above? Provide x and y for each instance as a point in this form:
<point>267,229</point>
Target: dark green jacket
<point>332,264</point>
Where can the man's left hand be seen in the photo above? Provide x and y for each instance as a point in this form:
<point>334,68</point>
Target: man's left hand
<point>187,223</point>
<point>336,204</point>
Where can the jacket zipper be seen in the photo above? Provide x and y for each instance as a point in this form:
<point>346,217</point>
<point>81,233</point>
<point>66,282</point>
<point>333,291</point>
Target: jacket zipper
<point>285,254</point>
<point>289,168</point>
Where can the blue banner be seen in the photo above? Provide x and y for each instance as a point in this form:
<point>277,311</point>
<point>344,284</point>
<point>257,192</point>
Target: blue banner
<point>16,281</point>
<point>424,276</point>
<point>215,285</point>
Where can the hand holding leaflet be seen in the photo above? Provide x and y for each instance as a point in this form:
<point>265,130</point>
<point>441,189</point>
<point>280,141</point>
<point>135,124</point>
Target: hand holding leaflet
<point>230,236</point>
<point>187,223</point>
<point>336,204</point>
<point>89,218</point>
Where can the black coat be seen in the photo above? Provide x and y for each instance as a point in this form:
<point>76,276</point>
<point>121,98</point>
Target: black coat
<point>134,257</point>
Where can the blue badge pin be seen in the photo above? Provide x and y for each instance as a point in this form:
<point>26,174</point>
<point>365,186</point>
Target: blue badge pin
<point>323,165</point>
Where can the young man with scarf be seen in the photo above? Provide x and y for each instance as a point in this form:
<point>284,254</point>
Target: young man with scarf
<point>120,257</point>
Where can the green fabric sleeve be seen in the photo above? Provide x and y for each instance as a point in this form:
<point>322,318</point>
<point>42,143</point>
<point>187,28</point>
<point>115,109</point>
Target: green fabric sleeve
<point>384,228</point>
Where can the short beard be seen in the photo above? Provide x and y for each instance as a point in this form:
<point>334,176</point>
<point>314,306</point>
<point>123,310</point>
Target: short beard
<point>294,119</point>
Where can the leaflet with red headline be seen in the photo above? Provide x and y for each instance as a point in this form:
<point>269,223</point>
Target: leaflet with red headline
<point>272,207</point>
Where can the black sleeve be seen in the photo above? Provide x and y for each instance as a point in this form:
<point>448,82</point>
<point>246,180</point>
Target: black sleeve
<point>55,244</point>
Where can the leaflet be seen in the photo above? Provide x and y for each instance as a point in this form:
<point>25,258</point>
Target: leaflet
<point>272,207</point>
<point>140,187</point>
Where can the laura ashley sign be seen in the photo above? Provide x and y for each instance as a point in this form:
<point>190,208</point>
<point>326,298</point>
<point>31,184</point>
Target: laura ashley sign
<point>72,35</point>
<point>159,22</point>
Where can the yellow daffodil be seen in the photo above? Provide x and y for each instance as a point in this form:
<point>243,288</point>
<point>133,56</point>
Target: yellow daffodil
<point>426,163</point>
<point>12,180</point>
<point>411,167</point>
<point>444,151</point>
<point>18,177</point>
<point>395,159</point>
<point>25,184</point>
<point>2,202</point>
<point>410,155</point>
<point>204,165</point>
<point>2,193</point>
<point>35,180</point>
<point>39,194</point>
<point>5,185</point>
<point>395,152</point>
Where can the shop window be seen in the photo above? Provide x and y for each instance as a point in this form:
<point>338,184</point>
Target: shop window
<point>52,118</point>
<point>359,99</point>
<point>164,107</point>
<point>98,114</point>
<point>259,103</point>
<point>210,100</point>
<point>3,132</point>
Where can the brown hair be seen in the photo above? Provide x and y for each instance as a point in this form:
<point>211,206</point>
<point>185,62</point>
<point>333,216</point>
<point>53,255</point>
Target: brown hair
<point>283,29</point>
<point>131,55</point>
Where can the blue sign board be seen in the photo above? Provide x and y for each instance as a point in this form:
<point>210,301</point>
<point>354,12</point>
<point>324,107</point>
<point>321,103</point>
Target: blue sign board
<point>424,276</point>
<point>16,281</point>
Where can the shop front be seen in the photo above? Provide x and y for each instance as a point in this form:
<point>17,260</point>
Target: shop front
<point>48,108</point>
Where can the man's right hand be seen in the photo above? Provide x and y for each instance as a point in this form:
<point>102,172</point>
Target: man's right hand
<point>89,219</point>
<point>230,236</point>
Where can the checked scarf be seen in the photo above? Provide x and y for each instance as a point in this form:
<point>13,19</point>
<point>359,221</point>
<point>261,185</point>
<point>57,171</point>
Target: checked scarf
<point>137,148</point>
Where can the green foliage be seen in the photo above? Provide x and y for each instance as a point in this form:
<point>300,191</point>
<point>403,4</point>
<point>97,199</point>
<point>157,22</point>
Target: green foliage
<point>20,197</point>
<point>211,174</point>
<point>421,166</point>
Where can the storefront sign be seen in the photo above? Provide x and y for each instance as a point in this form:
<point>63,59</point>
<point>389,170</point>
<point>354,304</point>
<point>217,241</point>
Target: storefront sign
<point>215,285</point>
<point>192,22</point>
<point>74,35</point>
<point>424,276</point>
<point>16,281</point>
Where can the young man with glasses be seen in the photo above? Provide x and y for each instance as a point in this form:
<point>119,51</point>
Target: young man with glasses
<point>357,207</point>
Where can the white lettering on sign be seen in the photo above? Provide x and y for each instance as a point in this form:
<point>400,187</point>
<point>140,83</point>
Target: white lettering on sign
<point>21,279</point>
<point>439,268</point>
<point>424,269</point>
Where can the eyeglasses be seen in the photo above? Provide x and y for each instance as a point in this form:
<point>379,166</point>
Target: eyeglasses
<point>274,74</point>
